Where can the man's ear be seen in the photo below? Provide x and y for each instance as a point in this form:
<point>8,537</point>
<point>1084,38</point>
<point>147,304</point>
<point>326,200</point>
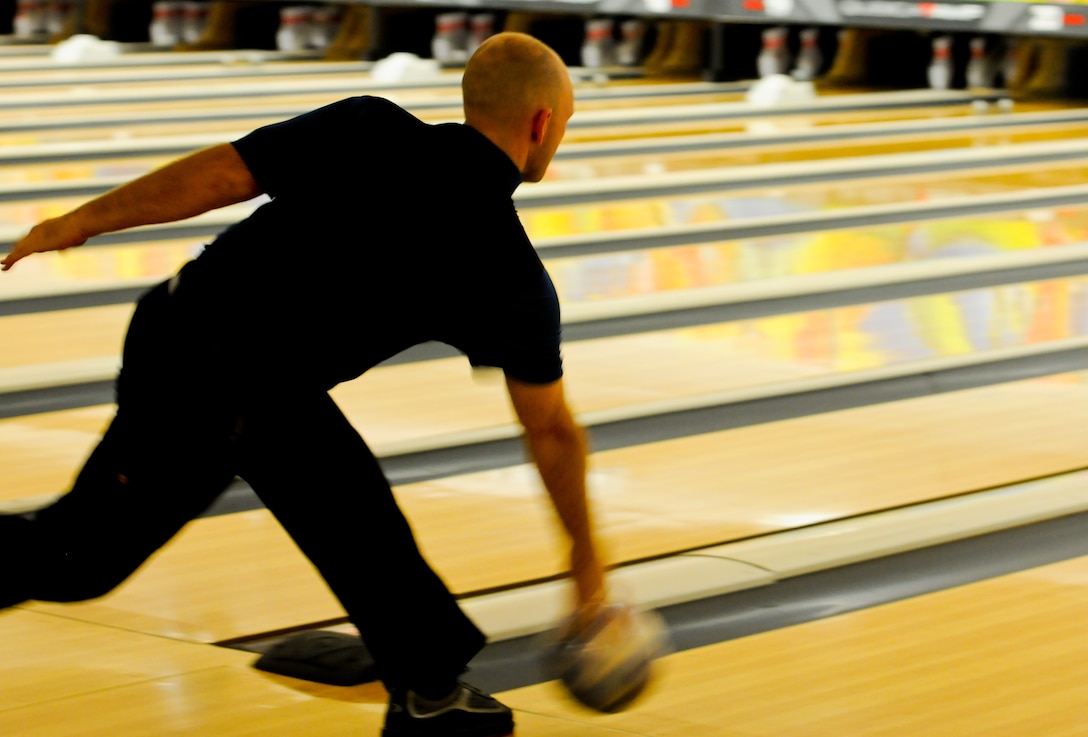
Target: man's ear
<point>540,121</point>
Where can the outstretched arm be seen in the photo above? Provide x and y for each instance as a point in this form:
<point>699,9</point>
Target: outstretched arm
<point>208,179</point>
<point>558,447</point>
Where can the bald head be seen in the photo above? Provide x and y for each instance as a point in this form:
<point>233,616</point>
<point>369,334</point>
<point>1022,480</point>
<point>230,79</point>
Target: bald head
<point>509,77</point>
<point>518,93</point>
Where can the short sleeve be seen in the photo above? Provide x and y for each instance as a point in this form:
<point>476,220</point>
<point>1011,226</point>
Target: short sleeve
<point>527,346</point>
<point>302,152</point>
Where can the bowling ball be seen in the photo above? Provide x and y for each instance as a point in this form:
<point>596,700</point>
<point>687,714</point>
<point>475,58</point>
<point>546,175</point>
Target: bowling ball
<point>609,662</point>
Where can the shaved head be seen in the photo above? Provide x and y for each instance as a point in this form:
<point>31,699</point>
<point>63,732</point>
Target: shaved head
<point>510,76</point>
<point>518,93</point>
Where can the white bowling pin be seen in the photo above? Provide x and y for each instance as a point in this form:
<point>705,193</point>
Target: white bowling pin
<point>809,60</point>
<point>597,48</point>
<point>194,18</point>
<point>323,25</point>
<point>450,41</point>
<point>940,66</point>
<point>166,23</point>
<point>632,35</point>
<point>979,68</point>
<point>56,16</point>
<point>294,31</point>
<point>29,20</point>
<point>774,57</point>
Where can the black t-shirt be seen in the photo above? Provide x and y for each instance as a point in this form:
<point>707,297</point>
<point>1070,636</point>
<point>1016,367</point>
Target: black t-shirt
<point>382,232</point>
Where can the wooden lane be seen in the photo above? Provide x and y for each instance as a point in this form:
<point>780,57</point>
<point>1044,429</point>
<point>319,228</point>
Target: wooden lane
<point>77,680</point>
<point>62,677</point>
<point>643,373</point>
<point>762,122</point>
<point>958,154</point>
<point>48,659</point>
<point>34,73</point>
<point>779,153</point>
<point>587,283</point>
<point>713,264</point>
<point>444,85</point>
<point>288,79</point>
<point>936,665</point>
<point>94,269</point>
<point>19,56</point>
<point>571,167</point>
<point>835,194</point>
<point>28,126</point>
<point>238,575</point>
<point>101,121</point>
<point>948,664</point>
<point>440,102</point>
<point>93,123</point>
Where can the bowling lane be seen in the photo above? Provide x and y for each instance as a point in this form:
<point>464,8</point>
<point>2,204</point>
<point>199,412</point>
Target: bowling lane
<point>588,281</point>
<point>591,279</point>
<point>1005,657</point>
<point>287,78</point>
<point>734,205</point>
<point>95,680</point>
<point>439,101</point>
<point>587,124</point>
<point>937,665</point>
<point>621,275</point>
<point>78,170</point>
<point>762,122</point>
<point>34,74</point>
<point>445,85</point>
<point>27,57</point>
<point>568,168</point>
<point>159,119</point>
<point>606,377</point>
<point>96,269</point>
<point>721,487</point>
<point>665,210</point>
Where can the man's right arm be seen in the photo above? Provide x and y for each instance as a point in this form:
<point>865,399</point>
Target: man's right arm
<point>558,448</point>
<point>206,180</point>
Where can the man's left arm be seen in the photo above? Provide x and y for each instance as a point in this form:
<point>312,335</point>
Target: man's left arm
<point>206,180</point>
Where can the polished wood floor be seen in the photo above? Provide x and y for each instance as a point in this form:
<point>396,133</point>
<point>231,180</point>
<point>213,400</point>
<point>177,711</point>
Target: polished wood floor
<point>1000,657</point>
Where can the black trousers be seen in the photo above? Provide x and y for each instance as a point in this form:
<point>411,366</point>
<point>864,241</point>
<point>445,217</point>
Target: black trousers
<point>188,421</point>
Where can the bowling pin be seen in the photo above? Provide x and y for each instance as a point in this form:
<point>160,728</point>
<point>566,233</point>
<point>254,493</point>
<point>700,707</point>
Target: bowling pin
<point>29,20</point>
<point>632,35</point>
<point>323,26</point>
<point>166,23</point>
<point>294,31</point>
<point>979,69</point>
<point>940,66</point>
<point>809,60</point>
<point>1010,64</point>
<point>774,57</point>
<point>597,48</point>
<point>194,19</point>
<point>450,41</point>
<point>56,16</point>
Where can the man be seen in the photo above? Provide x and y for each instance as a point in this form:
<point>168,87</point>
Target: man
<point>382,232</point>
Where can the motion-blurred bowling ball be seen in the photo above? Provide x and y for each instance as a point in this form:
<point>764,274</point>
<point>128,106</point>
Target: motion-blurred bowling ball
<point>606,664</point>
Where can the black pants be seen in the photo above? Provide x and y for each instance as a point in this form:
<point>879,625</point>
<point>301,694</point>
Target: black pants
<point>181,434</point>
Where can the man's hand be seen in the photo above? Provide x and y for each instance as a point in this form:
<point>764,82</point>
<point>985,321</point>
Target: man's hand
<point>55,234</point>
